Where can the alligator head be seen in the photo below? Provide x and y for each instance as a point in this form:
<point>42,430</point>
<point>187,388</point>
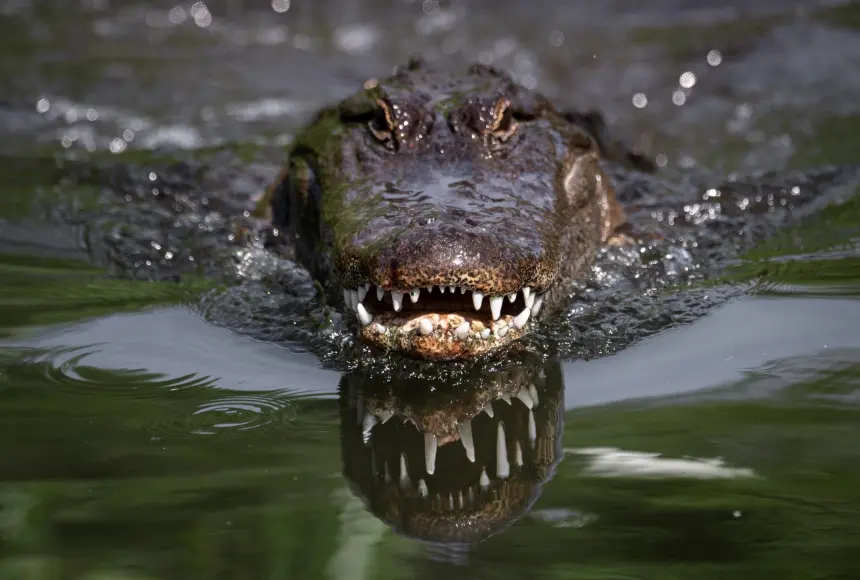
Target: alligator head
<point>447,212</point>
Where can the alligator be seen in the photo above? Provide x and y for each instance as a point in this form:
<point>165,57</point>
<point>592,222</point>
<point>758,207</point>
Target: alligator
<point>448,213</point>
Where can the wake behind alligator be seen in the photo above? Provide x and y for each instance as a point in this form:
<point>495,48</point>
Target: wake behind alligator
<point>169,220</point>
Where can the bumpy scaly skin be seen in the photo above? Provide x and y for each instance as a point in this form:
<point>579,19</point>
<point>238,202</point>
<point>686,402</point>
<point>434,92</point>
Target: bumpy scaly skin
<point>466,181</point>
<point>430,517</point>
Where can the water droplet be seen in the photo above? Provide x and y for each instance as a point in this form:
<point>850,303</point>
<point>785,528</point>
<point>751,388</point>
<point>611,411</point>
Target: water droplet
<point>640,101</point>
<point>715,57</point>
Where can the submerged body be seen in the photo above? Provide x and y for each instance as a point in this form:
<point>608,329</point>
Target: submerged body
<point>447,212</point>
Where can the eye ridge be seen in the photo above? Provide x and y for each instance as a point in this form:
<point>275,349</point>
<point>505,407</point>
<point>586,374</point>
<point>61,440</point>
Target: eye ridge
<point>382,124</point>
<point>503,125</point>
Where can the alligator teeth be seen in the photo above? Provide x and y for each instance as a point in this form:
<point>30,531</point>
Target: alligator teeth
<point>462,289</point>
<point>425,327</point>
<point>526,398</point>
<point>471,496</point>
<point>363,315</point>
<point>535,308</point>
<point>521,318</point>
<point>485,334</point>
<point>346,298</point>
<point>533,394</point>
<point>466,439</point>
<point>503,468</point>
<point>441,289</point>
<point>518,454</point>
<point>362,292</point>
<point>379,328</point>
<point>532,428</point>
<point>451,289</point>
<point>422,488</point>
<point>413,295</point>
<point>429,289</point>
<point>380,293</point>
<point>405,483</point>
<point>506,398</point>
<point>397,300</point>
<point>431,444</point>
<point>489,410</point>
<point>503,331</point>
<point>477,299</point>
<point>484,481</point>
<point>527,291</point>
<point>387,473</point>
<point>462,331</point>
<point>512,296</point>
<point>496,306</point>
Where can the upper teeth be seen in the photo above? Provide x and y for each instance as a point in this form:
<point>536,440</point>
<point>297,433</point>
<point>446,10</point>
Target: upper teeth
<point>354,299</point>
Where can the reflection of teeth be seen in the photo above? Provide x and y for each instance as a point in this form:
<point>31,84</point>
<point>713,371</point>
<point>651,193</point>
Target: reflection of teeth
<point>524,396</point>
<point>533,394</point>
<point>489,410</point>
<point>462,503</point>
<point>503,468</point>
<point>521,318</point>
<point>431,444</point>
<point>477,299</point>
<point>380,293</point>
<point>506,398</point>
<point>422,488</point>
<point>470,494</point>
<point>442,289</point>
<point>425,326</point>
<point>496,306</point>
<point>532,428</point>
<point>450,502</point>
<point>527,291</point>
<point>405,483</point>
<point>387,474</point>
<point>512,296</point>
<point>484,481</point>
<point>413,295</point>
<point>397,300</point>
<point>363,315</point>
<point>462,331</point>
<point>535,308</point>
<point>362,292</point>
<point>466,439</point>
<point>367,426</point>
<point>518,454</point>
<point>462,289</point>
<point>451,289</point>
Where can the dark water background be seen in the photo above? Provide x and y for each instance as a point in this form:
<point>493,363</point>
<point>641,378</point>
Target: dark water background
<point>166,413</point>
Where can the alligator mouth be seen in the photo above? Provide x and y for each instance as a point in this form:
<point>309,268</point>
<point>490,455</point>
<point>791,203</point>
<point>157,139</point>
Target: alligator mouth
<point>456,472</point>
<point>442,322</point>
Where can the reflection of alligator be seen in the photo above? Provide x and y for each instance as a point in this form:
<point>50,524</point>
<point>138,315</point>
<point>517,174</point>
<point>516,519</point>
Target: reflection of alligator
<point>453,467</point>
<point>469,195</point>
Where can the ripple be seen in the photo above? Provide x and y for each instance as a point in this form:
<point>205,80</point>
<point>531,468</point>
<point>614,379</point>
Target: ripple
<point>65,368</point>
<point>230,416</point>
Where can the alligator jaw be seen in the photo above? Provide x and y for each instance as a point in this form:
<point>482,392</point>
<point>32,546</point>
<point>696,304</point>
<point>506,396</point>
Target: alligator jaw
<point>442,322</point>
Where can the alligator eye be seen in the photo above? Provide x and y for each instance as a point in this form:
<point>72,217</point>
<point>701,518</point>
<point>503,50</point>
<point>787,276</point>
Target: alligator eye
<point>382,124</point>
<point>503,124</point>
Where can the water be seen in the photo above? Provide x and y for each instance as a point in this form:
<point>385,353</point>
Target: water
<point>175,405</point>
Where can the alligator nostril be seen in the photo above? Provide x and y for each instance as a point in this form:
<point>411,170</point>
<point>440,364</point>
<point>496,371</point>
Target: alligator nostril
<point>471,222</point>
<point>424,221</point>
